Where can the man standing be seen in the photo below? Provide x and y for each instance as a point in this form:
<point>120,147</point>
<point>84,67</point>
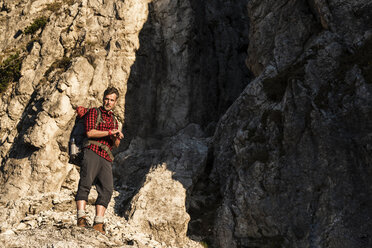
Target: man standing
<point>96,166</point>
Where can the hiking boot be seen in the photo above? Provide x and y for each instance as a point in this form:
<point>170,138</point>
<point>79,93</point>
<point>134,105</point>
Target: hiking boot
<point>82,222</point>
<point>99,227</point>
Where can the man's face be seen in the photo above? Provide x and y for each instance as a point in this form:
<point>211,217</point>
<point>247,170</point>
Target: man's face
<point>109,101</point>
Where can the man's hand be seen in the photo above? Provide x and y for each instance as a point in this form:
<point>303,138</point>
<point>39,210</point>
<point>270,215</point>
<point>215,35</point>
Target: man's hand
<point>117,134</point>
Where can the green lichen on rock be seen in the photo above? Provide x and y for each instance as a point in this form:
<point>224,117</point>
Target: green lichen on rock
<point>36,25</point>
<point>10,70</point>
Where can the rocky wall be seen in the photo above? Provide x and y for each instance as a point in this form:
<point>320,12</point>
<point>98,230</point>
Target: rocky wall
<point>283,161</point>
<point>156,53</point>
<point>189,69</point>
<point>295,144</point>
<point>84,47</point>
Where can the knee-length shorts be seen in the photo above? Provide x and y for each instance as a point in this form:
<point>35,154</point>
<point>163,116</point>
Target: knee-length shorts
<point>98,171</point>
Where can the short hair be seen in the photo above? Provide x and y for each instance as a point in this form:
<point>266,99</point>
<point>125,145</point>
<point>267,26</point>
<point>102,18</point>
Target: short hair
<point>111,90</point>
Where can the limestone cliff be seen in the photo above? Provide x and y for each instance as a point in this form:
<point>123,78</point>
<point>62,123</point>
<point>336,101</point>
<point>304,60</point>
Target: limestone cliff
<point>293,152</point>
<point>247,123</point>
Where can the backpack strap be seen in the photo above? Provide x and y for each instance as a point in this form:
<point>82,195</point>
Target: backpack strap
<point>99,118</point>
<point>115,120</point>
<point>102,146</point>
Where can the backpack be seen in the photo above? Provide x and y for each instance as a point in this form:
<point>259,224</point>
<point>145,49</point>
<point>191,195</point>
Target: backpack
<point>79,139</point>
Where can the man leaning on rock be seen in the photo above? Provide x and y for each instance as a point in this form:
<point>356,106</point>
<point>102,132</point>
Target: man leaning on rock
<point>97,162</point>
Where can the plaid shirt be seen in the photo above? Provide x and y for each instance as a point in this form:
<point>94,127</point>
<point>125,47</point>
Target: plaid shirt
<point>106,124</point>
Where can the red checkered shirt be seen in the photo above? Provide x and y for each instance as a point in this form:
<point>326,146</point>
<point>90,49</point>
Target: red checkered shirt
<point>108,123</point>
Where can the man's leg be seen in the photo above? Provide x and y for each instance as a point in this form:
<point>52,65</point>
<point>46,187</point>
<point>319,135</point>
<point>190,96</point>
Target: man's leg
<point>100,210</point>
<point>81,215</point>
<point>105,187</point>
<point>80,205</point>
<point>88,172</point>
<point>99,219</point>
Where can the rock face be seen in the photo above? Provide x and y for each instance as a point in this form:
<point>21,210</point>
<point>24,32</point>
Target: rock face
<point>152,214</point>
<point>199,49</point>
<point>155,175</point>
<point>247,123</point>
<point>296,143</point>
<point>67,63</point>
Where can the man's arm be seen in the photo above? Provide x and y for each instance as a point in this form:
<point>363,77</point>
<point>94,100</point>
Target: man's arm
<point>90,123</point>
<point>117,136</point>
<point>94,133</point>
<point>90,126</point>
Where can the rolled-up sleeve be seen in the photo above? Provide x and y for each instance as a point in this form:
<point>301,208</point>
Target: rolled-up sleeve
<point>90,119</point>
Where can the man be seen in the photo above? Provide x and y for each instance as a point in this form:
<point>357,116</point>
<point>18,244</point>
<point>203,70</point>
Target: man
<point>96,166</point>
